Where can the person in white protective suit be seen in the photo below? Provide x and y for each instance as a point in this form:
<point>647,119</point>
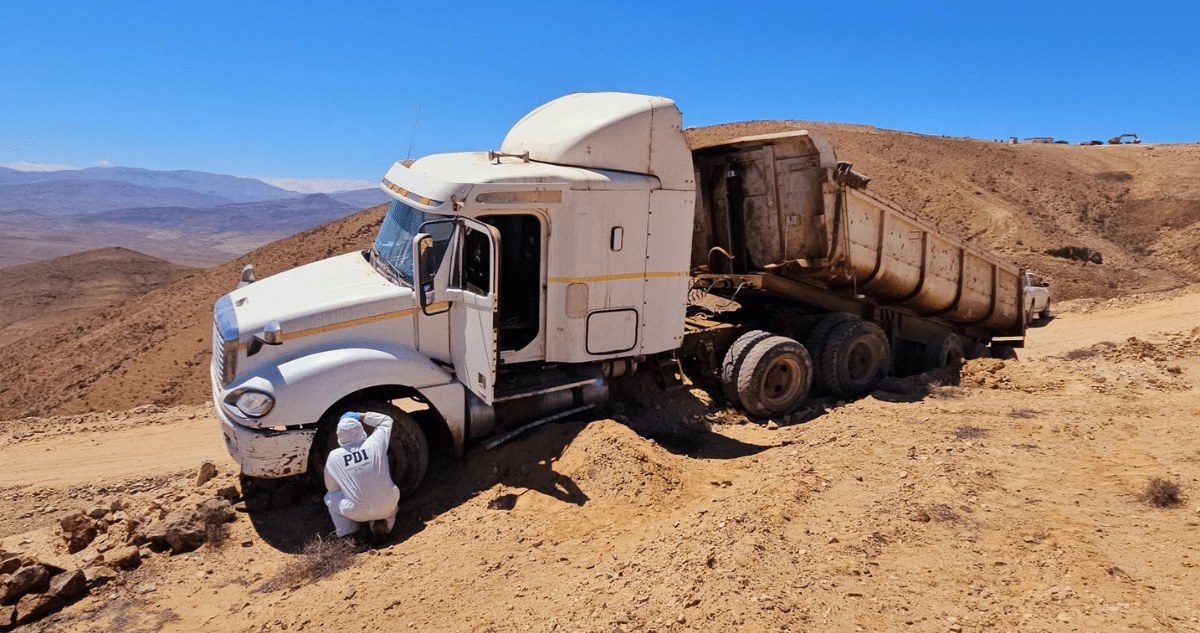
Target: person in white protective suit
<point>357,478</point>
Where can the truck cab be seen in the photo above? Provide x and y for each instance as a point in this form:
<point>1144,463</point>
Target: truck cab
<point>503,287</point>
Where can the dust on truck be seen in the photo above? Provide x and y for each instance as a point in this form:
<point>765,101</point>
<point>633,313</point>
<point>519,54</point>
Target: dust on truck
<point>506,288</point>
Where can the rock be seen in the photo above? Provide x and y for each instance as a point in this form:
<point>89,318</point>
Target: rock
<point>24,580</point>
<point>68,585</point>
<point>230,494</point>
<point>184,531</point>
<point>53,564</point>
<point>216,510</point>
<point>35,606</point>
<point>9,565</point>
<point>208,470</point>
<point>96,576</point>
<point>7,615</point>
<point>78,530</point>
<point>124,558</point>
<point>98,512</point>
<point>154,532</point>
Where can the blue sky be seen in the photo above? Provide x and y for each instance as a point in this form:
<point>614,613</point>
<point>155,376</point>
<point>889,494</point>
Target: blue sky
<point>342,89</point>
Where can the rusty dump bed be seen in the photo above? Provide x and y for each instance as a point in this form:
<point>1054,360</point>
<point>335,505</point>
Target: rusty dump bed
<point>781,205</point>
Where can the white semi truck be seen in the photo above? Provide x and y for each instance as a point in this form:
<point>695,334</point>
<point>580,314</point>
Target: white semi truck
<point>508,287</point>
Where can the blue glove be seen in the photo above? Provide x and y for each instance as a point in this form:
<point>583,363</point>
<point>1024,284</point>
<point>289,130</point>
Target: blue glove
<point>353,415</point>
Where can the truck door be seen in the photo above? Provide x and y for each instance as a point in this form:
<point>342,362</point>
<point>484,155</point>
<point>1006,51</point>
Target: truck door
<point>474,304</point>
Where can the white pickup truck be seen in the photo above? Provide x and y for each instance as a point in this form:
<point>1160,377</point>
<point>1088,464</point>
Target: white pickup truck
<point>505,288</point>
<point>1037,297</point>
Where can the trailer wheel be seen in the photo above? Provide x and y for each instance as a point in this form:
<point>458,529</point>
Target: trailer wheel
<point>734,356</point>
<point>775,377</point>
<point>943,350</point>
<point>854,360</point>
<point>816,336</point>
<point>979,350</point>
<point>408,451</point>
<point>815,342</point>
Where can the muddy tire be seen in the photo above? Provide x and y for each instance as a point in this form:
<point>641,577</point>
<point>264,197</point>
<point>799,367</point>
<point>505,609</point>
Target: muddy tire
<point>775,377</point>
<point>408,450</point>
<point>943,350</point>
<point>979,350</point>
<point>734,357</point>
<point>1045,314</point>
<point>815,340</point>
<point>854,359</point>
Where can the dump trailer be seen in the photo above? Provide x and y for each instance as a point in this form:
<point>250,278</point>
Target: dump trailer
<point>506,288</point>
<point>794,238</point>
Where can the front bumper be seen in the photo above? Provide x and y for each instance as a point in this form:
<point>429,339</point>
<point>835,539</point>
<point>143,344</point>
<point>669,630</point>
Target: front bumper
<point>266,453</point>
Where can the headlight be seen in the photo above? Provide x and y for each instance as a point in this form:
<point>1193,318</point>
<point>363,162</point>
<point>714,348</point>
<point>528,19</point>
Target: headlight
<point>254,404</point>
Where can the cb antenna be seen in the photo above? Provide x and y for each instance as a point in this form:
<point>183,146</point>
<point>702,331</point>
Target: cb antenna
<point>414,133</point>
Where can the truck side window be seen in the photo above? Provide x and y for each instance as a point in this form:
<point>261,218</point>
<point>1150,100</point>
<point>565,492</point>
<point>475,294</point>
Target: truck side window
<point>476,264</point>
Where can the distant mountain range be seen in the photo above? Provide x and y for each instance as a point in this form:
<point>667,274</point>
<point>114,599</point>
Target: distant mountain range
<point>51,213</point>
<point>231,188</point>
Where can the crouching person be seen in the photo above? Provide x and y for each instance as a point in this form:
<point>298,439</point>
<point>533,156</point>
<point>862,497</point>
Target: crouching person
<point>357,477</point>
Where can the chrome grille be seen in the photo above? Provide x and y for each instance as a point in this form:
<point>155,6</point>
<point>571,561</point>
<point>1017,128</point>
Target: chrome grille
<point>225,340</point>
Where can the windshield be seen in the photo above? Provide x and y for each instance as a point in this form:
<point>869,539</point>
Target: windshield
<point>393,250</point>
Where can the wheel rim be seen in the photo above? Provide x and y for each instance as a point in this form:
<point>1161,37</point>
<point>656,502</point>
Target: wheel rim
<point>782,382</point>
<point>862,362</point>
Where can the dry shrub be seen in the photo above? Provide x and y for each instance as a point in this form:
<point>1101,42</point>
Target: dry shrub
<point>1024,413</point>
<point>216,528</point>
<point>970,432</point>
<point>318,559</point>
<point>1162,493</point>
<point>940,391</point>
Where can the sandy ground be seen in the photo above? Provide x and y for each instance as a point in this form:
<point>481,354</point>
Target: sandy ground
<point>1010,502</point>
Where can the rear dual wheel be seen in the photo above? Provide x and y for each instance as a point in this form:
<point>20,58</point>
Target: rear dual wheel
<point>853,359</point>
<point>775,377</point>
<point>734,357</point>
<point>944,350</point>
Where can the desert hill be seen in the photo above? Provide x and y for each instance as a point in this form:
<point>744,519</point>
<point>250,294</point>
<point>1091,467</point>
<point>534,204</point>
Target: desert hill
<point>1137,205</point>
<point>153,348</point>
<point>45,294</point>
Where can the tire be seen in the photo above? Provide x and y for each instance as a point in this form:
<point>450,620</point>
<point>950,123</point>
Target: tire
<point>1029,315</point>
<point>815,342</point>
<point>408,450</point>
<point>979,350</point>
<point>733,360</point>
<point>943,350</point>
<point>816,336</point>
<point>775,377</point>
<point>1004,352</point>
<point>854,360</point>
<point>1046,311</point>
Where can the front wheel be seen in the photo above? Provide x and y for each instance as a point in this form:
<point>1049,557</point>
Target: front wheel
<point>408,451</point>
<point>1046,311</point>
